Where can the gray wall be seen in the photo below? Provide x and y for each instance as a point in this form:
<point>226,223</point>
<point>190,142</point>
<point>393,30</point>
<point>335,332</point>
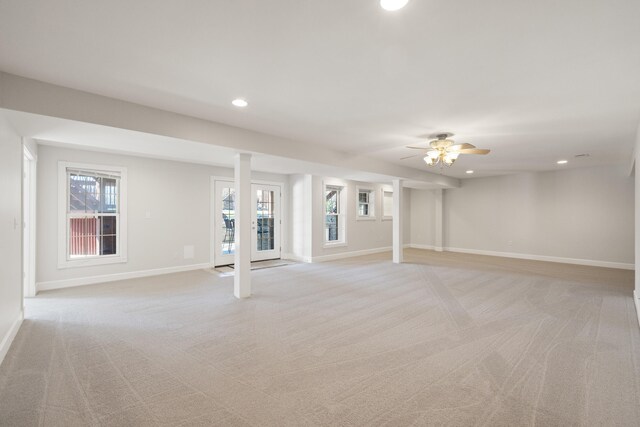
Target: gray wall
<point>422,222</point>
<point>307,226</point>
<point>637,218</point>
<point>300,226</point>
<point>361,234</point>
<point>10,232</point>
<point>176,194</point>
<point>584,214</point>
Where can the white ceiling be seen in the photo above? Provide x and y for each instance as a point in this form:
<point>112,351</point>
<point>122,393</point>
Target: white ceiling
<point>533,81</point>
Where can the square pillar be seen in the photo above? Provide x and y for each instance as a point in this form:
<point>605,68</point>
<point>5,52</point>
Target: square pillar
<point>242,262</point>
<point>398,241</point>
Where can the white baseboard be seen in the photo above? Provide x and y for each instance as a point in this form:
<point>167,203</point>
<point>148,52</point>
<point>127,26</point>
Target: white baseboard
<point>92,280</point>
<point>294,257</point>
<point>351,254</point>
<point>10,335</point>
<point>593,263</point>
<point>636,299</point>
<point>427,247</point>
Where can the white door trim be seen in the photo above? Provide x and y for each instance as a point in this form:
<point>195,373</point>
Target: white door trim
<point>29,223</point>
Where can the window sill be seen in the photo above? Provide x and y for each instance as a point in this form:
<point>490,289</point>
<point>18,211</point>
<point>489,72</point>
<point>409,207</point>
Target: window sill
<point>365,218</point>
<point>334,245</point>
<point>91,262</point>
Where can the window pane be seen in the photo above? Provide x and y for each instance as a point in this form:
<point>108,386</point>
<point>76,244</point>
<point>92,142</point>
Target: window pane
<point>331,228</point>
<point>83,193</point>
<point>332,200</point>
<point>89,194</point>
<point>363,197</point>
<point>363,209</point>
<point>265,223</point>
<point>108,245</point>
<point>228,223</point>
<point>107,227</point>
<point>108,195</point>
<point>83,237</point>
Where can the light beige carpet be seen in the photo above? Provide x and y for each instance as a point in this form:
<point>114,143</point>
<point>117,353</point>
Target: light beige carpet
<point>444,339</point>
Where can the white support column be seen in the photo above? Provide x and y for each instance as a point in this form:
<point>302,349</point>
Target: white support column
<point>438,217</point>
<point>242,263</point>
<point>398,241</point>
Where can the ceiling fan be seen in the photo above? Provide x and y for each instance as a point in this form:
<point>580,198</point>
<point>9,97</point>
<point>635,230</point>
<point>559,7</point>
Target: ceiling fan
<point>445,151</point>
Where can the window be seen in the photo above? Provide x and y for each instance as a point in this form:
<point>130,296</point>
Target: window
<point>92,202</point>
<point>334,218</point>
<point>387,204</point>
<point>366,204</point>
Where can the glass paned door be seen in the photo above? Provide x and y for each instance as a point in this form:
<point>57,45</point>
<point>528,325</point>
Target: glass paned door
<point>265,222</point>
<point>225,213</point>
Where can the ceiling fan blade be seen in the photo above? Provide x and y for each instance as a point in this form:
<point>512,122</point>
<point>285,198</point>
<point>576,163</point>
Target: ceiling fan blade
<point>475,151</point>
<point>408,157</point>
<point>459,147</point>
<point>413,147</point>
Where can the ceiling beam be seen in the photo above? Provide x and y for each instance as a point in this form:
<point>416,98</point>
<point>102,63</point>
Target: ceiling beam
<point>32,96</point>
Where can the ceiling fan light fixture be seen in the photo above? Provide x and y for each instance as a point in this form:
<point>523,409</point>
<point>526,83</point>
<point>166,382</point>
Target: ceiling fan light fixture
<point>392,5</point>
<point>444,151</point>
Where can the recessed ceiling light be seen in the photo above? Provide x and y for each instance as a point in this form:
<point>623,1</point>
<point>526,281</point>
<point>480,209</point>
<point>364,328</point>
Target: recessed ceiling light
<point>239,102</point>
<point>562,162</point>
<point>469,171</point>
<point>392,5</point>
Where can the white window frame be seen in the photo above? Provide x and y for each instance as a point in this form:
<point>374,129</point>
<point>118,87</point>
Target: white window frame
<point>64,261</point>
<point>386,216</point>
<point>372,204</point>
<point>342,215</point>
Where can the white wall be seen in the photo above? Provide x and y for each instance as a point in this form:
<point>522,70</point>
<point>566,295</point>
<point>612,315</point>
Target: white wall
<point>10,235</point>
<point>176,194</point>
<point>581,214</point>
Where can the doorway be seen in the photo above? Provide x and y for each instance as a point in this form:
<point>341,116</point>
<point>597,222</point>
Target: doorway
<point>28,224</point>
<point>265,222</point>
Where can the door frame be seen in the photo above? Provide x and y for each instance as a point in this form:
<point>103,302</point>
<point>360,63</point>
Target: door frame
<point>264,255</point>
<point>29,175</point>
<point>212,212</point>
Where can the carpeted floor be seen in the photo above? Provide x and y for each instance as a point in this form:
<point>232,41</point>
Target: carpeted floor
<point>444,339</point>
